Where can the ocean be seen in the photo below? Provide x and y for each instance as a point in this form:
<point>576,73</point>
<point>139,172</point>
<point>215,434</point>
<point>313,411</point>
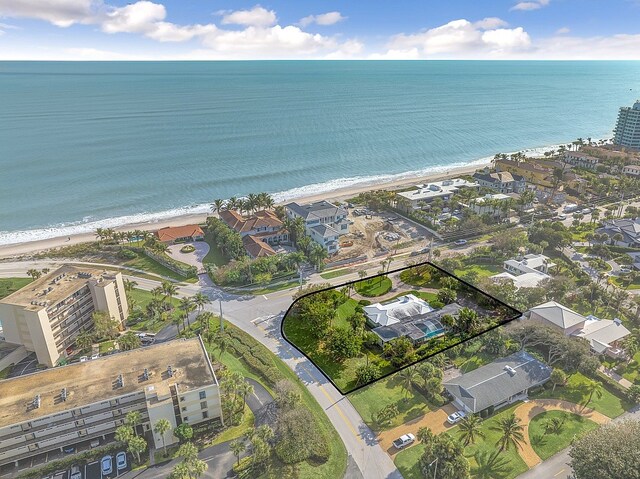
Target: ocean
<point>89,144</point>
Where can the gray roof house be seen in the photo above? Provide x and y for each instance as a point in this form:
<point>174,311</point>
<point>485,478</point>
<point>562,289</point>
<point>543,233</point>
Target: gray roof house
<point>324,222</point>
<point>502,382</point>
<point>628,228</point>
<point>501,181</point>
<point>418,328</point>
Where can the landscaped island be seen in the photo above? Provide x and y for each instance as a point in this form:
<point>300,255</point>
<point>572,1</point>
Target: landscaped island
<point>420,311</point>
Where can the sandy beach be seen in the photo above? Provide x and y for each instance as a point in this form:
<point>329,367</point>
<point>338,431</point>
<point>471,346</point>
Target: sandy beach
<point>18,249</point>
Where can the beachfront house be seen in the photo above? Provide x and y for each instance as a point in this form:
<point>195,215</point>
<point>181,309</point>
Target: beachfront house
<point>498,384</point>
<point>407,316</point>
<point>180,234</point>
<point>260,231</point>
<point>501,181</point>
<point>604,336</point>
<point>629,229</point>
<point>424,194</point>
<point>526,271</point>
<point>324,222</point>
<point>530,170</point>
<point>581,160</point>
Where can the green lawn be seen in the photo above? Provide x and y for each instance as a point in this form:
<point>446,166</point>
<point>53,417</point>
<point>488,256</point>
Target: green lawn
<point>10,285</point>
<point>622,284</point>
<point>482,270</point>
<point>580,233</point>
<point>272,288</point>
<point>106,346</point>
<point>546,444</point>
<point>372,398</point>
<point>335,273</point>
<point>632,370</point>
<point>373,287</point>
<point>235,432</point>
<point>407,460</point>
<point>214,256</point>
<point>609,404</point>
<point>145,263</point>
<point>141,299</point>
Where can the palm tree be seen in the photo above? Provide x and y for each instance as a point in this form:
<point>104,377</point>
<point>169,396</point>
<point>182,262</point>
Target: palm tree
<point>186,306</point>
<point>470,429</point>
<point>200,299</point>
<point>245,389</point>
<point>84,340</point>
<point>593,388</point>
<point>491,465</point>
<point>169,290</point>
<point>161,426</point>
<point>408,378</point>
<point>132,419</point>
<point>237,446</point>
<point>424,435</point>
<point>512,432</point>
<point>217,206</point>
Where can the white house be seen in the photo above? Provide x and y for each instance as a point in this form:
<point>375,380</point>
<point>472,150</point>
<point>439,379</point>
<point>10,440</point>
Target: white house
<point>490,204</point>
<point>581,160</point>
<point>439,189</point>
<point>526,271</point>
<point>402,308</point>
<point>633,170</point>
<point>324,222</point>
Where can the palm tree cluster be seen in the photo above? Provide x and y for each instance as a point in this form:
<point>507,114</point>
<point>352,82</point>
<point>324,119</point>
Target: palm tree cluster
<point>235,390</point>
<point>110,235</point>
<point>249,204</point>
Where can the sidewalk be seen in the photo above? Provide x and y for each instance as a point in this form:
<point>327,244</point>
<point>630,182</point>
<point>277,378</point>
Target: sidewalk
<point>625,383</point>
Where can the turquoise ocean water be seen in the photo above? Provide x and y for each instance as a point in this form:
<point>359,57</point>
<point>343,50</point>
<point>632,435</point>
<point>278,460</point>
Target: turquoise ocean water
<point>84,145</point>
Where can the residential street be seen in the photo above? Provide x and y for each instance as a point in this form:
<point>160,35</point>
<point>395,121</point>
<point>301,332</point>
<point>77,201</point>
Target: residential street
<point>260,316</point>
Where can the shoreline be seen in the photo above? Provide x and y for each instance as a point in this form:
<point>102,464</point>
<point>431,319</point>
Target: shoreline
<point>339,194</point>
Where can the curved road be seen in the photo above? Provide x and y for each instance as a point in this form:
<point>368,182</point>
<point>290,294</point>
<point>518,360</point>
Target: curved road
<point>260,316</point>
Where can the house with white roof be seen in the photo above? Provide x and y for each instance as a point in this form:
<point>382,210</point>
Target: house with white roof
<point>324,222</point>
<point>424,194</point>
<point>605,336</point>
<point>491,205</point>
<point>526,271</point>
<point>400,309</point>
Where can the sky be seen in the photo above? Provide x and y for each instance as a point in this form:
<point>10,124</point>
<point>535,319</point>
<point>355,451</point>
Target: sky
<point>313,29</point>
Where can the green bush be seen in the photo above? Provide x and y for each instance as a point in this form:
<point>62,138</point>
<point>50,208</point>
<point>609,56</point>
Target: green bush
<point>126,253</point>
<point>187,249</point>
<point>364,302</point>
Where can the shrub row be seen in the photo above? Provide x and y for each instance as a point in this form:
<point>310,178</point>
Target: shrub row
<point>254,357</point>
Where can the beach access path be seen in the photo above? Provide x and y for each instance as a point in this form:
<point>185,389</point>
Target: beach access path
<point>260,316</point>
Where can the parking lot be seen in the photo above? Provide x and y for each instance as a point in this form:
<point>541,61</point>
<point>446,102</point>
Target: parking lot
<point>93,470</point>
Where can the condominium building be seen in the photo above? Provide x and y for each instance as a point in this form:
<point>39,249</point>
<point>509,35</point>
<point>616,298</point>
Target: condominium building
<point>627,130</point>
<point>581,160</point>
<point>48,314</point>
<point>79,403</point>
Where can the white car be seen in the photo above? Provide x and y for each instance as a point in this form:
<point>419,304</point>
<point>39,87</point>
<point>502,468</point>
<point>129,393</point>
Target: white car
<point>95,356</point>
<point>460,242</point>
<point>121,460</point>
<point>84,358</point>
<point>562,217</point>
<point>106,465</point>
<point>586,211</point>
<point>456,417</point>
<point>75,473</point>
<point>404,441</point>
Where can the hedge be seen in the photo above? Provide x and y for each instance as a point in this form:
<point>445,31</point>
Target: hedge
<point>255,358</point>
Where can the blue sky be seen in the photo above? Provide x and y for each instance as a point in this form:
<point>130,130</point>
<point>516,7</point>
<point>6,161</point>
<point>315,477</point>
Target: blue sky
<point>332,29</point>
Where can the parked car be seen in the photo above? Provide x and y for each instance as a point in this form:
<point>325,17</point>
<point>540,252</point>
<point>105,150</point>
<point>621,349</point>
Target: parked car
<point>84,358</point>
<point>560,217</point>
<point>106,465</point>
<point>625,269</point>
<point>95,443</point>
<point>75,473</point>
<point>95,356</point>
<point>456,417</point>
<point>69,449</point>
<point>121,460</point>
<point>460,242</point>
<point>586,211</point>
<point>404,441</point>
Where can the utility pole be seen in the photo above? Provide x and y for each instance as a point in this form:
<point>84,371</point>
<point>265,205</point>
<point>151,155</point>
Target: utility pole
<point>435,470</point>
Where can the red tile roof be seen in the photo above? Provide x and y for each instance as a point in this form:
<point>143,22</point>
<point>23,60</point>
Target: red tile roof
<point>172,233</point>
<point>257,248</point>
<point>261,219</point>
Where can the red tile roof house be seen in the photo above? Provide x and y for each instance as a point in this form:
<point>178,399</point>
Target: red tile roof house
<point>180,234</point>
<point>259,231</point>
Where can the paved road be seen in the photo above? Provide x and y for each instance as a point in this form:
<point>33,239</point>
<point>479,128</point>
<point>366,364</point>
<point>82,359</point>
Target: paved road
<point>260,316</point>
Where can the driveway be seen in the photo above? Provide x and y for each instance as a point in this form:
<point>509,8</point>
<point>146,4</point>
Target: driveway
<point>434,420</point>
<point>194,258</point>
<point>530,409</point>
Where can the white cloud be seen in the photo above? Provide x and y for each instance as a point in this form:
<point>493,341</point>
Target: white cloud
<point>463,39</point>
<point>139,17</point>
<point>530,5</point>
<point>409,54</point>
<point>257,17</point>
<point>563,30</point>
<point>62,13</point>
<point>324,19</point>
<point>565,47</point>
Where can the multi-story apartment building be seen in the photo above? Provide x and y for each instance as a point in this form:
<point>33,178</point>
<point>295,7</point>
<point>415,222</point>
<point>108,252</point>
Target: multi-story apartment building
<point>65,406</point>
<point>47,315</point>
<point>324,222</point>
<point>627,130</point>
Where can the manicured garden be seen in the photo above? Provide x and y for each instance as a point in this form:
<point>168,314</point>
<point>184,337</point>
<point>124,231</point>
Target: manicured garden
<point>141,299</point>
<point>150,265</point>
<point>214,256</point>
<point>407,461</point>
<point>480,270</point>
<point>553,431</point>
<point>576,391</point>
<point>11,285</point>
<point>372,287</point>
